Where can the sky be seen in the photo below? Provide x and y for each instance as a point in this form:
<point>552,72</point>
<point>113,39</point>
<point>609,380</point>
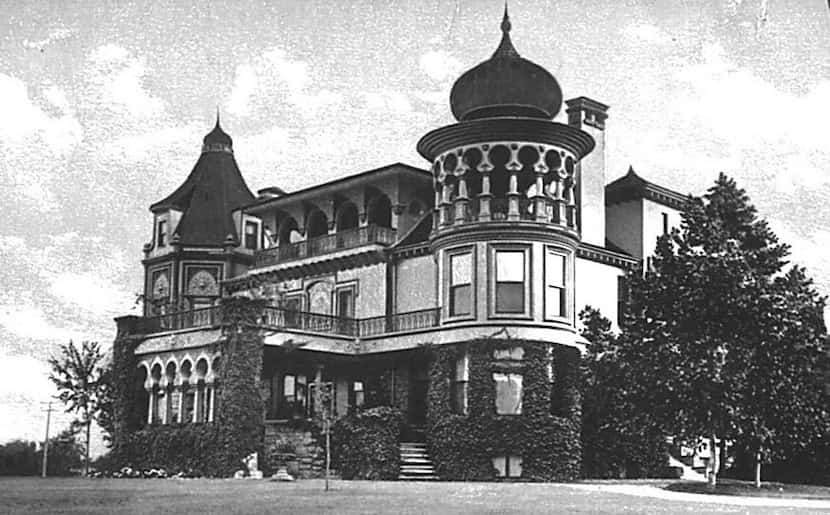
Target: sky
<point>103,106</point>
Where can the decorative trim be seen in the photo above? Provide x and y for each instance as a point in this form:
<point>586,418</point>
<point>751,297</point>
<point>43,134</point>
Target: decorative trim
<point>606,256</point>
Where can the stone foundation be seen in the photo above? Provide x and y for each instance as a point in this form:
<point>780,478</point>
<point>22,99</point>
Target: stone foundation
<point>310,455</point>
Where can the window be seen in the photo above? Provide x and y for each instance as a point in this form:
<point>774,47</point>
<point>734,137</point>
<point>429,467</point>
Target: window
<point>159,403</point>
<point>555,292</point>
<point>510,281</point>
<point>345,302</point>
<point>292,307</point>
<point>622,297</point>
<point>161,233</point>
<point>251,235</point>
<point>461,288</point>
<point>294,396</point>
<point>460,381</point>
<point>665,223</point>
<point>508,393</point>
<point>357,394</point>
<point>175,400</point>
<point>508,466</point>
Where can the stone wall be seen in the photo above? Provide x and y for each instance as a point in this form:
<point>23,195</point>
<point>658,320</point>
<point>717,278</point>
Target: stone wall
<point>310,460</point>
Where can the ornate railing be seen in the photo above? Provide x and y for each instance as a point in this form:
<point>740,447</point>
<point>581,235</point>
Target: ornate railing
<point>281,318</point>
<point>201,317</point>
<point>320,245</point>
<point>394,323</point>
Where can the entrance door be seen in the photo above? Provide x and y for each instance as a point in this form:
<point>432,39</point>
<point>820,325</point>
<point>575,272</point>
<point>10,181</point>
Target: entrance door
<point>418,389</point>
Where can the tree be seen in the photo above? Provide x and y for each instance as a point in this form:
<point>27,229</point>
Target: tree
<point>616,440</point>
<point>77,375</point>
<point>717,340</point>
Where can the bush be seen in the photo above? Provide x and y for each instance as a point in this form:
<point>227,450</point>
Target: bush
<point>365,444</point>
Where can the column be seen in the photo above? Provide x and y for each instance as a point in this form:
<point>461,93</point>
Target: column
<point>461,200</point>
<point>150,400</point>
<point>446,192</point>
<point>539,199</point>
<point>513,168</point>
<point>484,168</point>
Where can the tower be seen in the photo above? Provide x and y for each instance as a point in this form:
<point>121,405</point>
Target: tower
<point>506,210</point>
<point>200,236</point>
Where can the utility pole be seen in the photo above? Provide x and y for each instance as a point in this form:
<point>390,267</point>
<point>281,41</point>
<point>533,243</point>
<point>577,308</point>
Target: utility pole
<point>46,440</point>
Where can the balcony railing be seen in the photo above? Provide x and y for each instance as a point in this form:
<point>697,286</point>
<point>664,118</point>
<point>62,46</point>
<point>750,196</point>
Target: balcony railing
<point>341,240</point>
<point>280,318</point>
<point>394,323</point>
<point>201,317</point>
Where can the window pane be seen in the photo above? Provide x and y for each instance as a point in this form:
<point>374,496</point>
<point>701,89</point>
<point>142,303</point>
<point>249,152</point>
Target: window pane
<point>515,466</point>
<point>500,464</point>
<point>460,269</point>
<point>508,393</point>
<point>554,303</point>
<point>462,368</point>
<point>510,266</point>
<point>461,300</point>
<point>288,387</point>
<point>555,269</point>
<point>510,297</point>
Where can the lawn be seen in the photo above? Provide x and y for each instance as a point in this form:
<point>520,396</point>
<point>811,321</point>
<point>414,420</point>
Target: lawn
<point>202,496</point>
<point>747,488</point>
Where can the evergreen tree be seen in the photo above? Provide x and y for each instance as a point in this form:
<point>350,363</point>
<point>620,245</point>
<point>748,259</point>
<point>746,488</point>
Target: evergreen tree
<point>718,341</point>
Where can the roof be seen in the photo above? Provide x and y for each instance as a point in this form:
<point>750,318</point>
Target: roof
<point>212,191</point>
<point>632,187</point>
<point>338,184</point>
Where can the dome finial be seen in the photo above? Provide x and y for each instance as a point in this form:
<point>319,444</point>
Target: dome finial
<point>506,48</point>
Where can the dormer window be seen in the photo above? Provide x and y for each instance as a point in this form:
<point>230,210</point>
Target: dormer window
<point>251,235</point>
<point>161,233</point>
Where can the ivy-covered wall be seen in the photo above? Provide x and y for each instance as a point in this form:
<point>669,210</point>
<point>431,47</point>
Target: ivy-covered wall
<point>546,434</point>
<point>210,449</point>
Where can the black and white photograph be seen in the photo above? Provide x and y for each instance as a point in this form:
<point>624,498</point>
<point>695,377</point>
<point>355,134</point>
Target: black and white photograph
<point>415,257</point>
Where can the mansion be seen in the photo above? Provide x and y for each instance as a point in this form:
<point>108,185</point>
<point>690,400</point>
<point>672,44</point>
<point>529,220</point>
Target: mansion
<point>449,291</point>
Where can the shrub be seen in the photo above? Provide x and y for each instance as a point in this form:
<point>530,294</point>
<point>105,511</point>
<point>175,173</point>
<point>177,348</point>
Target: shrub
<point>365,444</point>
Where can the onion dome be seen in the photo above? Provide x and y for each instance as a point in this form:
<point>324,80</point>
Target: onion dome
<point>506,85</point>
<point>217,140</point>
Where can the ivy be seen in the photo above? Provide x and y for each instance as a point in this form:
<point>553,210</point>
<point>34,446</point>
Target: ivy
<point>208,449</point>
<point>365,444</point>
<point>462,446</point>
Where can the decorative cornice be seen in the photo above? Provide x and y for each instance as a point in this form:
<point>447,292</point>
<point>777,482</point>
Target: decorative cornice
<point>606,256</point>
<point>410,251</point>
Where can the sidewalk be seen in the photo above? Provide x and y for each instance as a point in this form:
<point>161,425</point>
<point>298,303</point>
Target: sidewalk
<point>733,500</point>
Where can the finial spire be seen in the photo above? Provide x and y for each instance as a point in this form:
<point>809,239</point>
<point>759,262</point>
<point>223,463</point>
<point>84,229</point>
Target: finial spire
<point>505,21</point>
<point>217,116</point>
<point>506,48</point>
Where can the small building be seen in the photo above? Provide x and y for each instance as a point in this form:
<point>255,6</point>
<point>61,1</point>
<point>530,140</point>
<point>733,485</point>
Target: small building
<point>450,292</point>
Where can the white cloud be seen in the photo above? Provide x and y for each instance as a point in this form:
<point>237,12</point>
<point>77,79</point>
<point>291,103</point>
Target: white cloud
<point>57,34</point>
<point>275,75</point>
<point>439,65</point>
<point>645,33</point>
<point>29,321</point>
<point>119,78</point>
<point>387,101</point>
<point>90,292</point>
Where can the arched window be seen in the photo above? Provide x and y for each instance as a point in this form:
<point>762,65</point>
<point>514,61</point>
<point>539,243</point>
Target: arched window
<point>288,232</point>
<point>347,217</point>
<point>380,211</point>
<point>173,395</point>
<point>144,395</point>
<point>201,390</point>
<point>317,224</point>
<point>188,393</point>
<point>157,402</point>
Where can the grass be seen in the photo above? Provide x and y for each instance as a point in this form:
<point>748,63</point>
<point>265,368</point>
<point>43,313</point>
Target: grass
<point>747,489</point>
<point>206,496</point>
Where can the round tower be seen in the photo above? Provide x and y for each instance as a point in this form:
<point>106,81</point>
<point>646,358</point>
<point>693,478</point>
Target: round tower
<point>505,228</point>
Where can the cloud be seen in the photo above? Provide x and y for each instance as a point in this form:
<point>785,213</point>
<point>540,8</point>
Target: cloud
<point>645,33</point>
<point>57,34</point>
<point>272,76</point>
<point>439,65</point>
<point>387,101</point>
<point>29,321</point>
<point>119,78</point>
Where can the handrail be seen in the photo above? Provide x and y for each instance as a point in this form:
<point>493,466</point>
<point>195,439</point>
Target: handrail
<point>281,318</point>
<point>341,240</point>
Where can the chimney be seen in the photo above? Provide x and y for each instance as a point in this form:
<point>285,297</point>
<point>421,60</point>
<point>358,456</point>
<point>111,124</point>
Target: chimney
<point>589,115</point>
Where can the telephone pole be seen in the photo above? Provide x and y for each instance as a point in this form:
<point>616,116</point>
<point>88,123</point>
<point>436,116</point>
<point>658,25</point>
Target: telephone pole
<point>46,440</point>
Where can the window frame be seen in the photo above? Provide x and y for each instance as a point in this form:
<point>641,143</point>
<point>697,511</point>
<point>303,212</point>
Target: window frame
<point>251,241</point>
<point>526,250</point>
<point>449,254</point>
<point>565,291</point>
<point>460,385</point>
<point>496,382</point>
<point>161,233</point>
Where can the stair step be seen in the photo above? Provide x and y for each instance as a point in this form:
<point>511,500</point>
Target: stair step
<point>404,477</point>
<point>416,460</point>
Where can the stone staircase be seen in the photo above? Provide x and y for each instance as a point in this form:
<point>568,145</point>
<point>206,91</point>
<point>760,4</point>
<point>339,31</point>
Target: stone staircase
<point>415,463</point>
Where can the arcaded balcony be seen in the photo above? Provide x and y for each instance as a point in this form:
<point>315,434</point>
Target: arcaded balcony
<point>341,240</point>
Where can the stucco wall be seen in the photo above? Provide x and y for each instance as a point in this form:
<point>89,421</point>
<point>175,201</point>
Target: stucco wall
<point>653,223</point>
<point>596,286</point>
<point>371,295</point>
<point>415,288</point>
<point>624,226</point>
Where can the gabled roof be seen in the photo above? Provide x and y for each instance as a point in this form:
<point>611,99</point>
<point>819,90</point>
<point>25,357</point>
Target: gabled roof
<point>632,187</point>
<point>212,191</point>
